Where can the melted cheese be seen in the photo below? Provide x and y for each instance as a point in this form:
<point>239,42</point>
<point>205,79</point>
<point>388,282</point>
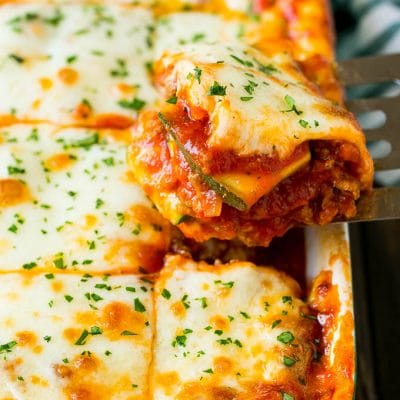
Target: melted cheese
<point>48,354</point>
<point>67,195</point>
<point>75,64</point>
<point>221,327</point>
<point>177,29</point>
<point>266,107</point>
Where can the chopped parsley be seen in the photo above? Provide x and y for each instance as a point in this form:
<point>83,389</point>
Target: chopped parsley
<point>172,100</point>
<point>285,337</point>
<point>15,170</point>
<point>86,143</point>
<point>216,90</point>
<point>134,104</point>
<point>16,58</point>
<point>6,348</point>
<point>276,323</point>
<point>120,71</point>
<point>241,61</point>
<point>203,301</point>
<point>139,307</point>
<point>68,298</point>
<point>291,105</point>
<point>95,330</point>
<point>29,265</point>
<point>82,338</point>
<point>303,123</point>
<point>166,294</point>
<point>288,361</point>
<point>229,284</point>
<point>244,315</point>
<point>128,333</point>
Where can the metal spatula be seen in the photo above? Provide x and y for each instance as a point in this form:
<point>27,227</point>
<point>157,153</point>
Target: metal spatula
<point>382,203</point>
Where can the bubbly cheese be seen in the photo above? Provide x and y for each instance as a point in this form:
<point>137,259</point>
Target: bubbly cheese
<point>67,200</point>
<point>256,104</point>
<point>75,64</point>
<point>227,328</point>
<point>71,336</point>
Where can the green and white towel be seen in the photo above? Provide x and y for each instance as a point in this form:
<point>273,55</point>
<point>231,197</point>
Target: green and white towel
<point>369,27</point>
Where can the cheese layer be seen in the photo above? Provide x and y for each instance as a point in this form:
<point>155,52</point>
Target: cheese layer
<point>256,104</point>
<point>228,329</point>
<point>71,336</point>
<point>74,63</point>
<point>67,201</point>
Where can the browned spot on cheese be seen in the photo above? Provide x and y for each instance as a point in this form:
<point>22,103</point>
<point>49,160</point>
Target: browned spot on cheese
<point>13,192</point>
<point>46,83</point>
<point>86,363</point>
<point>90,221</point>
<point>82,111</point>
<point>128,177</point>
<point>72,334</point>
<point>167,381</point>
<point>119,135</point>
<point>117,317</point>
<point>86,317</point>
<point>68,75</point>
<point>57,286</point>
<point>58,162</point>
<point>208,391</point>
<point>37,349</point>
<point>36,104</point>
<point>62,371</point>
<point>135,255</point>
<point>219,322</point>
<point>178,309</point>
<point>145,215</point>
<point>115,121</point>
<point>26,338</point>
<point>125,89</point>
<point>37,380</point>
<point>87,391</point>
<point>223,365</point>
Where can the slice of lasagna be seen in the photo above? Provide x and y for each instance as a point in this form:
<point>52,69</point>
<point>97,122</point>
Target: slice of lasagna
<point>233,331</point>
<point>245,146</point>
<point>68,201</point>
<point>74,336</point>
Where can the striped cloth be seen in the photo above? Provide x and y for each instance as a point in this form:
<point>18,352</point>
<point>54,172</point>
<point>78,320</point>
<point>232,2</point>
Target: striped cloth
<point>368,27</point>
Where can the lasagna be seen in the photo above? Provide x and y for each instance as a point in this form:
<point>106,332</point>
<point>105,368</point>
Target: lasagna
<point>74,336</point>
<point>120,117</point>
<point>233,331</point>
<point>245,146</point>
<point>69,202</point>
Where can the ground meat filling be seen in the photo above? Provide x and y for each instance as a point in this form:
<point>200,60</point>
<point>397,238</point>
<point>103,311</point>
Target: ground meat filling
<point>327,187</point>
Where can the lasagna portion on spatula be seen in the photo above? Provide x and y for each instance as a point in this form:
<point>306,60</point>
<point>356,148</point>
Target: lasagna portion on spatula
<point>243,145</point>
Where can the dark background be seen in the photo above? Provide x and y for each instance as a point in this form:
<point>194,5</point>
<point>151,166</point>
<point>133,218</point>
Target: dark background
<point>376,279</point>
<point>375,248</point>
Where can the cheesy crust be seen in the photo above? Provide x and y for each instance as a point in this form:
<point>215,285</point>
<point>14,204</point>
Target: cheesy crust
<point>68,201</point>
<point>74,336</point>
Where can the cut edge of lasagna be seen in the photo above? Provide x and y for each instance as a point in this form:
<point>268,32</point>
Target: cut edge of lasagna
<point>246,146</point>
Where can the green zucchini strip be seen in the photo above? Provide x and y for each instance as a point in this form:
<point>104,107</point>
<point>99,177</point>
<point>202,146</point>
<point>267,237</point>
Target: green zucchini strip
<point>228,197</point>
